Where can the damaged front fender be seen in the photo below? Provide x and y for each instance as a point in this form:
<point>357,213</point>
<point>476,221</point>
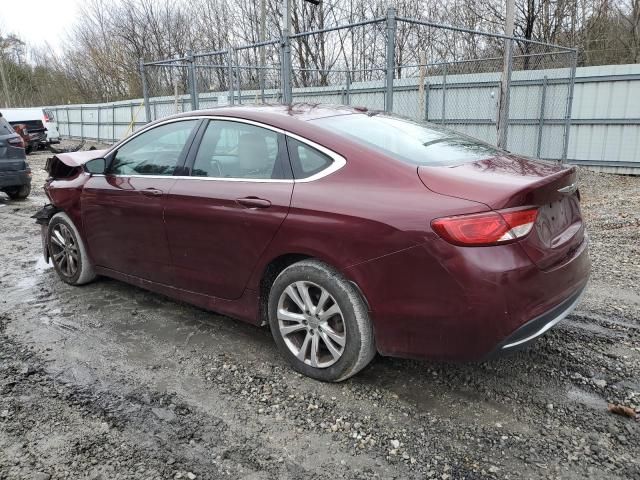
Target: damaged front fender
<point>42,217</point>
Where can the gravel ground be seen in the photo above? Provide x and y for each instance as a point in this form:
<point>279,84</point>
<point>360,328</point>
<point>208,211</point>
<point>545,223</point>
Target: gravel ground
<point>108,381</point>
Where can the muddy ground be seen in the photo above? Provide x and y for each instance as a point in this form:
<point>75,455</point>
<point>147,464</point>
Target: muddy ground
<point>108,381</point>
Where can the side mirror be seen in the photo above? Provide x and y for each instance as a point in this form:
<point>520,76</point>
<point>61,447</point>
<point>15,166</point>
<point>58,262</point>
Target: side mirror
<point>96,166</point>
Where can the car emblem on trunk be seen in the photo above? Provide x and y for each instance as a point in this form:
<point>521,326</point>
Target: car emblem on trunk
<point>569,189</point>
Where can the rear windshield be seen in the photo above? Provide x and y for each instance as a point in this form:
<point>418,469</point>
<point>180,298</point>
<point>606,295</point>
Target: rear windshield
<point>5,128</point>
<point>409,141</point>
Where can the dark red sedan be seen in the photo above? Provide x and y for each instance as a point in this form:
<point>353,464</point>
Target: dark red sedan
<point>349,232</point>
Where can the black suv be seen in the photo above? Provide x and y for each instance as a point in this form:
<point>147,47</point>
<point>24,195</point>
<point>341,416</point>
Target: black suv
<point>15,174</point>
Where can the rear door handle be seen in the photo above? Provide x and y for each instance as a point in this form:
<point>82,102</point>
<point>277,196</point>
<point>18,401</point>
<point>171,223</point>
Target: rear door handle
<point>152,192</point>
<point>254,202</point>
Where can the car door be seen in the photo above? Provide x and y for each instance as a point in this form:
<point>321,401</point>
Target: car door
<point>122,210</point>
<point>222,217</point>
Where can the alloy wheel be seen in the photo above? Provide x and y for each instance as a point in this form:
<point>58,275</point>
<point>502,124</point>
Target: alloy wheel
<point>64,250</point>
<point>311,324</point>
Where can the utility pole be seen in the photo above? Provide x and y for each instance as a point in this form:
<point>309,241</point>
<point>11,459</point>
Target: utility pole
<point>263,37</point>
<point>505,82</point>
<point>286,52</point>
<point>286,73</point>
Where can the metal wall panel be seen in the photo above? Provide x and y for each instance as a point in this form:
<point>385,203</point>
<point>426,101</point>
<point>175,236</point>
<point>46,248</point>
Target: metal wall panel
<point>605,127</point>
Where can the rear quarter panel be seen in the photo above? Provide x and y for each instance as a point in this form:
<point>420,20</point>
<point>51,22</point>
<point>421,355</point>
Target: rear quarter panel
<point>372,207</point>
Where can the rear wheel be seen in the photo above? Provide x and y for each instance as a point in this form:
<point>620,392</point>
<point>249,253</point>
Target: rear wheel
<point>67,251</point>
<point>320,322</point>
<point>19,193</point>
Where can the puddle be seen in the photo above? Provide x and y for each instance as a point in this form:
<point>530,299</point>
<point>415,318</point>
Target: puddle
<point>587,399</point>
<point>41,265</point>
<point>30,281</point>
<point>27,282</point>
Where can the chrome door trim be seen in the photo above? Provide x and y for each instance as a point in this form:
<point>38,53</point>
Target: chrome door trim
<point>338,160</point>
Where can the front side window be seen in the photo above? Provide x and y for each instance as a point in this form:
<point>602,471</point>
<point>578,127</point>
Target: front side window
<point>238,150</point>
<point>409,141</point>
<point>155,152</point>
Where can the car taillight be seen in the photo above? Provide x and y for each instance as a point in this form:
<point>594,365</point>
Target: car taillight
<point>484,229</point>
<point>16,142</point>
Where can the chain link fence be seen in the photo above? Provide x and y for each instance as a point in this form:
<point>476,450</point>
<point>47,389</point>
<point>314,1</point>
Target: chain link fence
<point>170,84</point>
<point>511,92</point>
<point>349,67</point>
<point>453,77</point>
<point>212,78</point>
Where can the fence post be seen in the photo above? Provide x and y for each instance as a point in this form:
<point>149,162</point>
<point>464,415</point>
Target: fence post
<point>99,108</point>
<point>191,77</point>
<point>426,101</point>
<point>68,123</point>
<point>132,115</point>
<point>285,74</point>
<point>81,124</point>
<point>238,76</point>
<point>145,92</point>
<point>543,96</point>
<point>567,117</point>
<point>505,94</point>
<point>391,51</point>
<point>113,123</point>
<point>348,89</point>
<point>285,53</point>
<point>444,94</point>
<point>230,53</point>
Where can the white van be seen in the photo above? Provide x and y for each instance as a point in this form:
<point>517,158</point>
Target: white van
<point>26,115</point>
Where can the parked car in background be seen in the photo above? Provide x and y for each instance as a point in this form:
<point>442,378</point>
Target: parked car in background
<point>349,232</point>
<point>31,137</point>
<point>35,120</point>
<point>15,174</point>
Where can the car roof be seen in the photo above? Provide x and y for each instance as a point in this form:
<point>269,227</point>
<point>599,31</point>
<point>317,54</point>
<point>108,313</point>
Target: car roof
<point>277,115</point>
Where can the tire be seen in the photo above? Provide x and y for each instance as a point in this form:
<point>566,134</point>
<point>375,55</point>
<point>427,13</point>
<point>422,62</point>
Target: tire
<point>337,317</point>
<point>19,193</point>
<point>67,251</point>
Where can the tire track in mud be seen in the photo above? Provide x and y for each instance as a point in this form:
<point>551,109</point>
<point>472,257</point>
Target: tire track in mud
<point>109,378</point>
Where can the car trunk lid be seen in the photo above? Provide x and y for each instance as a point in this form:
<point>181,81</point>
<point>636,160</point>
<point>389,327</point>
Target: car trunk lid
<point>505,182</point>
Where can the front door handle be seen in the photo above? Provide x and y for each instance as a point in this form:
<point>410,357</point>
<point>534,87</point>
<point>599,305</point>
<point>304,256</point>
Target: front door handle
<point>152,192</point>
<point>254,202</point>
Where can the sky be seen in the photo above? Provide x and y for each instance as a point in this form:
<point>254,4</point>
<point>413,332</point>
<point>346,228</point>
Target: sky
<point>38,22</point>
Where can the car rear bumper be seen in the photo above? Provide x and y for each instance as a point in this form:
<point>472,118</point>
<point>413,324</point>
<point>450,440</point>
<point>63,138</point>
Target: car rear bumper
<point>533,329</point>
<point>15,178</point>
<point>443,302</point>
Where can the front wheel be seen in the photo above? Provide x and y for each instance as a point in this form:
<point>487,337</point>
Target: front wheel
<point>67,251</point>
<point>320,322</point>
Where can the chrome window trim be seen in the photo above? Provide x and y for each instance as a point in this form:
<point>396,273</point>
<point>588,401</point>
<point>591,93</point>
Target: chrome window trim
<point>338,160</point>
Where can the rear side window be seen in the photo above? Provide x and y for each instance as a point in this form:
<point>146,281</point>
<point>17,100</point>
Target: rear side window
<point>5,127</point>
<point>306,160</point>
<point>411,142</point>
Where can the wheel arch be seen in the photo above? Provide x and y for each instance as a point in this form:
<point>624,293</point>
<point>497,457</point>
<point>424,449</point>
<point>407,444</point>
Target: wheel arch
<point>269,273</point>
<point>276,265</point>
